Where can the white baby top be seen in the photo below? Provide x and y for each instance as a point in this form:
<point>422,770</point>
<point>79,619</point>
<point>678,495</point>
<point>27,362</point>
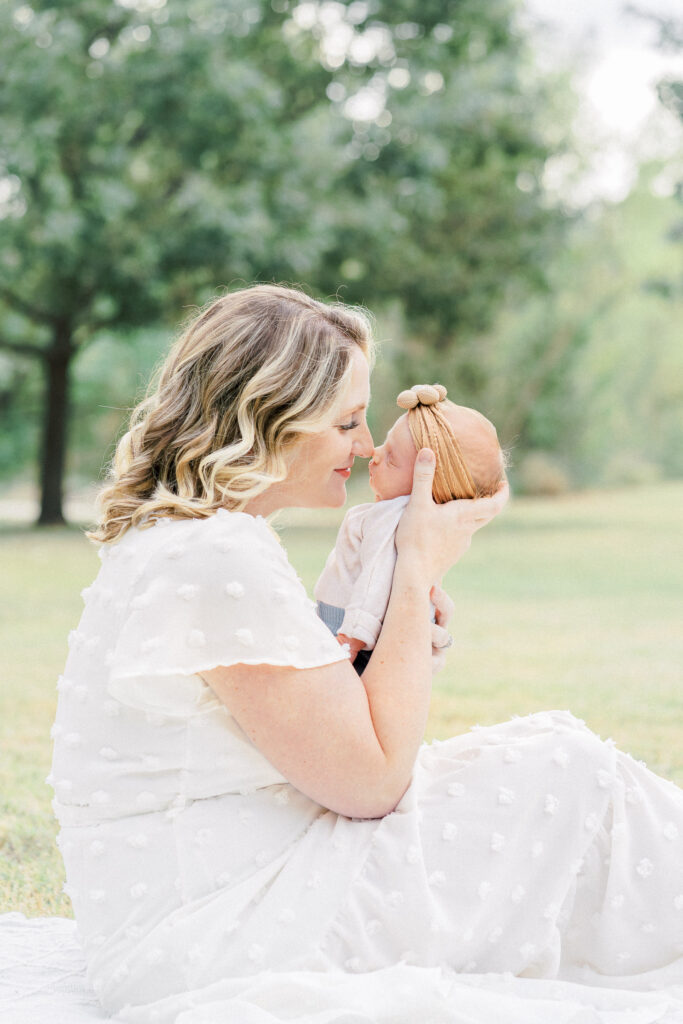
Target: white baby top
<point>359,570</point>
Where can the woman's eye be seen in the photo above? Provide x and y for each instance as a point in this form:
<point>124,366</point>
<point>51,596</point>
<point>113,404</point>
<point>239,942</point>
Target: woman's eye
<point>349,426</point>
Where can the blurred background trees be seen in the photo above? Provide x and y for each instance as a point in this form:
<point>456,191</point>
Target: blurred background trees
<point>153,152</point>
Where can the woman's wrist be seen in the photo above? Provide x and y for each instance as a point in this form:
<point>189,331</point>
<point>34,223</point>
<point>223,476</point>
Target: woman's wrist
<point>410,572</point>
<point>411,588</point>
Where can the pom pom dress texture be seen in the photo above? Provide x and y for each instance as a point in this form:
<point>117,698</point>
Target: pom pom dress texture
<point>530,849</point>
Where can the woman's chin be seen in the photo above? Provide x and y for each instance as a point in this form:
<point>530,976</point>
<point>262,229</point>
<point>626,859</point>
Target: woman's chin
<point>338,500</point>
<point>332,497</point>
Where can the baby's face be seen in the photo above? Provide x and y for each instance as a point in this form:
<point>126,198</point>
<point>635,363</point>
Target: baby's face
<point>391,466</point>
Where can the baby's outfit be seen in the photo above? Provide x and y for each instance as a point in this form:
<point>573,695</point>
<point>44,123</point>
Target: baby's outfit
<point>354,587</point>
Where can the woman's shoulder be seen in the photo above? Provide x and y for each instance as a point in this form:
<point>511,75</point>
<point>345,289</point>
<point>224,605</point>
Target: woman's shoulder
<point>177,549</point>
<point>210,592</point>
<point>223,531</point>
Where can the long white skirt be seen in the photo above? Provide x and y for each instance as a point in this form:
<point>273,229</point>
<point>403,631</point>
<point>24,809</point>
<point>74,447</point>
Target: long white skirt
<point>531,873</point>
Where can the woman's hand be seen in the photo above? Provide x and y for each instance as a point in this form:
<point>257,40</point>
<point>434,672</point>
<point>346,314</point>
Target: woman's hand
<point>433,537</point>
<point>441,638</point>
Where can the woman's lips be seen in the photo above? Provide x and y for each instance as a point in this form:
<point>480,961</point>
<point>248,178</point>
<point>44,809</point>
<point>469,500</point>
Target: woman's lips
<point>346,473</point>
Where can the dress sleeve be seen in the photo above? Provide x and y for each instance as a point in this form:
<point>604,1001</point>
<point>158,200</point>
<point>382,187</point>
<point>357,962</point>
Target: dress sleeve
<point>218,592</point>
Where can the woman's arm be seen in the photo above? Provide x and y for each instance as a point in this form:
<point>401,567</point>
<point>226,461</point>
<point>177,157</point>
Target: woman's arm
<point>347,742</point>
<point>350,742</point>
<point>443,609</point>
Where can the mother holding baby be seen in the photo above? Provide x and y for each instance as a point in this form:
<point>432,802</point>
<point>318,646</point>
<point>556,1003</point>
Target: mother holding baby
<point>238,804</point>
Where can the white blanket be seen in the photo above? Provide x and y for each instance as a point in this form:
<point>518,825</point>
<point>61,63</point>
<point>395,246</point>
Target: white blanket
<point>42,979</point>
<point>42,973</point>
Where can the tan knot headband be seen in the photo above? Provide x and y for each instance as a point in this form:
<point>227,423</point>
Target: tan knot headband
<point>421,394</point>
<point>430,428</point>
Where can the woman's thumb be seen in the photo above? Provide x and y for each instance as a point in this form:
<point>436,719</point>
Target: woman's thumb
<point>423,473</point>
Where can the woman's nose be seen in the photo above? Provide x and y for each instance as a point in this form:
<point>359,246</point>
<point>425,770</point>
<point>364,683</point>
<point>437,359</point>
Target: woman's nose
<point>362,444</point>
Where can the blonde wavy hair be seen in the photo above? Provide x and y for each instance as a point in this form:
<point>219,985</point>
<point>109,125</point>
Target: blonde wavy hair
<point>252,373</point>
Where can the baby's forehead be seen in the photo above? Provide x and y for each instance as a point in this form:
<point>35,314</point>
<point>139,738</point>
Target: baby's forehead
<point>399,434</point>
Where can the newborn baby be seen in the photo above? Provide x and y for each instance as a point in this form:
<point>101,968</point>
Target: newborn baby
<point>354,587</point>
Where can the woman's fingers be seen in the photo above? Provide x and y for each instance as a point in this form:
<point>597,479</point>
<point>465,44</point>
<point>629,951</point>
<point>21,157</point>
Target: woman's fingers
<point>443,605</point>
<point>438,661</point>
<point>441,638</point>
<point>423,477</point>
<point>436,536</point>
<point>473,513</point>
<point>490,507</point>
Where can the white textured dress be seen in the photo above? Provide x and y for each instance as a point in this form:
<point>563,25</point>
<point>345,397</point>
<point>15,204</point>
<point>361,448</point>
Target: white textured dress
<point>206,888</point>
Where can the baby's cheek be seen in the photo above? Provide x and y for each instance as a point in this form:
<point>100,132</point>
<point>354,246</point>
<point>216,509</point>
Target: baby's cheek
<point>392,481</point>
<point>399,487</point>
<point>401,481</point>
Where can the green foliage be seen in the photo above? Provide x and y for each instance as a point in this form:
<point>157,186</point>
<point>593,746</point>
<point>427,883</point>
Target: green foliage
<point>179,146</point>
<point>150,142</point>
<point>671,96</point>
<point>21,387</point>
<point>110,377</point>
<point>153,152</point>
<point>591,374</point>
<point>450,172</point>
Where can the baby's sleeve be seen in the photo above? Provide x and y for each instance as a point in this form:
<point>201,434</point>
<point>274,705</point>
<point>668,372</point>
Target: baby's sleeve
<point>218,592</point>
<point>366,608</point>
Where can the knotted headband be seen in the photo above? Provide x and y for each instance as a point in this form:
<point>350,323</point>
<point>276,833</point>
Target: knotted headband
<point>421,394</point>
<point>430,428</point>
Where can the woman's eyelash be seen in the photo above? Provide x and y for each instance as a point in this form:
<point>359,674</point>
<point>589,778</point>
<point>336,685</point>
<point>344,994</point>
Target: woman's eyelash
<point>348,426</point>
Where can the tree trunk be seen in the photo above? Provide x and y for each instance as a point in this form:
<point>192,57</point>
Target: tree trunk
<point>53,453</point>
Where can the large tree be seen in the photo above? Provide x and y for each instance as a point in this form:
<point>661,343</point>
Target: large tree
<point>135,142</point>
<point>151,151</point>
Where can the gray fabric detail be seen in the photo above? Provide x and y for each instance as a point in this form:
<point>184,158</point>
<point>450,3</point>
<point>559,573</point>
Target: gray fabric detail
<point>331,616</point>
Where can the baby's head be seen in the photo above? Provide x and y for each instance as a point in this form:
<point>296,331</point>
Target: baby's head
<point>469,460</point>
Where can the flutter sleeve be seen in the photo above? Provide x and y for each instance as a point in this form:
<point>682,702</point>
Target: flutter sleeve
<point>218,592</point>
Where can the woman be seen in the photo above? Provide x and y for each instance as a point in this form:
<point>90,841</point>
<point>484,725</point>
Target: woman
<point>225,781</point>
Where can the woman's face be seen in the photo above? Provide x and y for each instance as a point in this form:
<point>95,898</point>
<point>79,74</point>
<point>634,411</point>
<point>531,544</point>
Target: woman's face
<point>321,464</point>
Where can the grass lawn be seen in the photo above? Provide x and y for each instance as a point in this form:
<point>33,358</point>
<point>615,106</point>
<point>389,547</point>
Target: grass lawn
<point>566,603</point>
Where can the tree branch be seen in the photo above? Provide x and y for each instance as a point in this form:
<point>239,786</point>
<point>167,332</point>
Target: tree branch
<point>23,350</point>
<point>25,308</point>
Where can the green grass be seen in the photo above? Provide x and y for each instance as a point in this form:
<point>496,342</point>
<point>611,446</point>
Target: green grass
<point>571,603</point>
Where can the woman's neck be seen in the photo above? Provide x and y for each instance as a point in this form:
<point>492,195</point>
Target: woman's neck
<point>271,500</point>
